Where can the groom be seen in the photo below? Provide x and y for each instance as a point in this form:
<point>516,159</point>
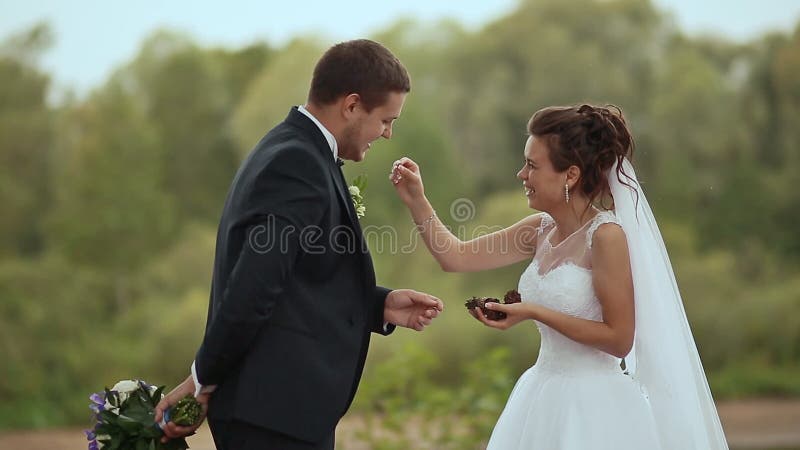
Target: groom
<point>293,296</point>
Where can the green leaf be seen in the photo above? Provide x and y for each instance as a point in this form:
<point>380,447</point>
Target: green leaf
<point>138,408</point>
<point>157,395</point>
<point>128,424</point>
<point>104,428</point>
<point>360,182</point>
<point>108,417</point>
<point>112,397</point>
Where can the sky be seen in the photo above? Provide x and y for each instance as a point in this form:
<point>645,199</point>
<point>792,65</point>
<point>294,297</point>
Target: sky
<point>92,37</point>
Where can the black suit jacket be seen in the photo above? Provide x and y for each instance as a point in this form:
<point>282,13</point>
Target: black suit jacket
<point>293,295</point>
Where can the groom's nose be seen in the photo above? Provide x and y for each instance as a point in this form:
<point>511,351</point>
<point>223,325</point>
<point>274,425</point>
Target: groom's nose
<point>387,132</point>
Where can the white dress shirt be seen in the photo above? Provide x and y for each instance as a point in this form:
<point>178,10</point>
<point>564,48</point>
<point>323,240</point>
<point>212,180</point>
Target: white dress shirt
<point>328,135</point>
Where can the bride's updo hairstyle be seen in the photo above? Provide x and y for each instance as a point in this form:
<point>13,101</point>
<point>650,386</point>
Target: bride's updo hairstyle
<point>589,137</point>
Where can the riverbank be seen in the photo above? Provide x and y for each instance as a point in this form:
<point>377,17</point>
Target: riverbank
<point>763,424</point>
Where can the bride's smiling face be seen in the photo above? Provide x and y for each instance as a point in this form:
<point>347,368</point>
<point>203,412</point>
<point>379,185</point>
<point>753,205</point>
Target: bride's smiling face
<point>544,187</point>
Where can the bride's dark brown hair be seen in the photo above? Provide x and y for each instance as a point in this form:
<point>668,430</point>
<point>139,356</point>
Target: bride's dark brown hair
<point>589,137</point>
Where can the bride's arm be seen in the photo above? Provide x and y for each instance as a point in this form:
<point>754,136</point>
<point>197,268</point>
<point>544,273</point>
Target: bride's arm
<point>501,248</point>
<point>613,285</point>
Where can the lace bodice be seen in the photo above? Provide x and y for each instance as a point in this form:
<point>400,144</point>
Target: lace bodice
<point>560,278</point>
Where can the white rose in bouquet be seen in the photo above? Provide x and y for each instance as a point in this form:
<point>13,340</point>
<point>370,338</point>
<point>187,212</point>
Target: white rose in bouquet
<point>125,388</point>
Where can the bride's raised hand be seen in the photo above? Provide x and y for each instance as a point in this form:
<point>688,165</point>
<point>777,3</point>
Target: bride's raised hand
<point>407,180</point>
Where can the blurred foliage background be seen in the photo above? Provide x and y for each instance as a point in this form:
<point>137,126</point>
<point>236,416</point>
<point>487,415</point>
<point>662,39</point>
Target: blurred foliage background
<point>109,203</point>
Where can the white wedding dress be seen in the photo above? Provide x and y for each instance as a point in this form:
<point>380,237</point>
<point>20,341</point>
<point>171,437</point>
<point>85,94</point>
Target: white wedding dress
<point>575,397</point>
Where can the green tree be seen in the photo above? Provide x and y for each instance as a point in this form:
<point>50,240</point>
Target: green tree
<point>185,93</point>
<point>544,53</point>
<point>111,212</point>
<point>25,141</point>
<point>281,84</point>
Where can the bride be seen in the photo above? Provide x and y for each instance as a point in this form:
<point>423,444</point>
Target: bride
<point>599,287</point>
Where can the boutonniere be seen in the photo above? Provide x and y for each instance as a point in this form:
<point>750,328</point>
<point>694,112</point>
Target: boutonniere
<point>356,194</point>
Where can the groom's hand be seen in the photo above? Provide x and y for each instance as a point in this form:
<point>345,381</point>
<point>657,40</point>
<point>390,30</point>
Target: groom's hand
<point>411,309</point>
<point>171,430</point>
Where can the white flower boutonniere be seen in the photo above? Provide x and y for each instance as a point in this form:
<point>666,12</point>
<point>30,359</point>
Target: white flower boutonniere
<point>356,194</point>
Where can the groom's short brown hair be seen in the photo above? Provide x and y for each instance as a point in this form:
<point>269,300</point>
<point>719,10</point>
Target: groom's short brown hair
<point>361,67</point>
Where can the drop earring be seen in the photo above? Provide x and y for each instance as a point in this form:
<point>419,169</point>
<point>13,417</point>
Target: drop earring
<point>566,191</point>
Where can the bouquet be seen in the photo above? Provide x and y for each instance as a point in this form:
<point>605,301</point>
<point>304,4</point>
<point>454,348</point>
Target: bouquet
<point>124,418</point>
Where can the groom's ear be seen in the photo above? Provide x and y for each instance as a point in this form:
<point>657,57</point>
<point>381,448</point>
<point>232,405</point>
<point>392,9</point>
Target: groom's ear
<point>350,105</point>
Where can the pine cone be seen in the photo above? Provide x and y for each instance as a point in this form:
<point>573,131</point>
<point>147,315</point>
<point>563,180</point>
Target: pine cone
<point>476,302</point>
<point>512,296</point>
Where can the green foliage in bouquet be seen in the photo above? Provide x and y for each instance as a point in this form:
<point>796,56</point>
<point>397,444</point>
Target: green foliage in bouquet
<point>186,412</point>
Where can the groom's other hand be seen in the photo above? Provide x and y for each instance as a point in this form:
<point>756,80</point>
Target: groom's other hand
<point>411,309</point>
<point>171,430</point>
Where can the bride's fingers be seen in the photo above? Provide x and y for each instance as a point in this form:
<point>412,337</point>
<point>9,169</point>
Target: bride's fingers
<point>405,163</point>
<point>394,177</point>
<point>479,314</point>
<point>408,162</point>
<point>500,325</point>
<point>404,171</point>
<point>498,307</point>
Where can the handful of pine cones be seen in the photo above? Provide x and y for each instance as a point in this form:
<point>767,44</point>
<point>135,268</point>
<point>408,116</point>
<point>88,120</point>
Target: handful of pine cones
<point>511,296</point>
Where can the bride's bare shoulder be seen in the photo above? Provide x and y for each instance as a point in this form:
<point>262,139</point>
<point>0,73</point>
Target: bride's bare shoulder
<point>609,237</point>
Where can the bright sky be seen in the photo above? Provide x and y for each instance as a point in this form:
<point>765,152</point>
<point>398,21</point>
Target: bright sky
<point>95,36</point>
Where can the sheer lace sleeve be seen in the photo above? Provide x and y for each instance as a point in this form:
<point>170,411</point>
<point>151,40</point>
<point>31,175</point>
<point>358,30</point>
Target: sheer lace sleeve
<point>601,218</point>
<point>545,225</point>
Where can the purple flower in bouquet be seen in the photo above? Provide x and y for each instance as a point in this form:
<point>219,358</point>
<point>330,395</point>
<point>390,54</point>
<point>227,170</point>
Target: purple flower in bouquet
<point>92,437</point>
<point>98,402</point>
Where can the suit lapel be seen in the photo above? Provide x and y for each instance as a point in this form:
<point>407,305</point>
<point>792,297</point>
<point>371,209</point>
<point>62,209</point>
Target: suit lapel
<point>344,195</point>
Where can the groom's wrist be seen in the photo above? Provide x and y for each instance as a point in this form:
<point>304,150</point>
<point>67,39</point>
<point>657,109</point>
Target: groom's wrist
<point>198,387</point>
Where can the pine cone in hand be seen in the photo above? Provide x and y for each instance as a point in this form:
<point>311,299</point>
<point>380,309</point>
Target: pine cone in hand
<point>512,296</point>
<point>476,302</point>
<point>186,412</point>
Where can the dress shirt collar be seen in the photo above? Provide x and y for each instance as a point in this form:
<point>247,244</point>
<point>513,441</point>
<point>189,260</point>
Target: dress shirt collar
<point>328,135</point>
